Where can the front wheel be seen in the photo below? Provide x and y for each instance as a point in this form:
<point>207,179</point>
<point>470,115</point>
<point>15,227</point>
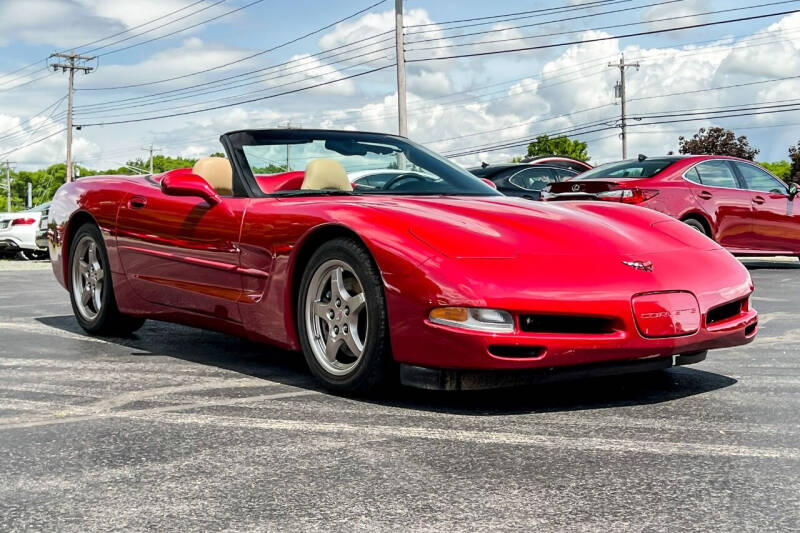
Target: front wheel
<point>342,319</point>
<point>91,291</point>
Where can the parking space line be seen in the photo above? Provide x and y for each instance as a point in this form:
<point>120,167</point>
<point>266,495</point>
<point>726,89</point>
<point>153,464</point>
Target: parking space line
<point>67,417</point>
<point>488,437</point>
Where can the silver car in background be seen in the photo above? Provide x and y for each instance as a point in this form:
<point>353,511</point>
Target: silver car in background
<point>18,232</point>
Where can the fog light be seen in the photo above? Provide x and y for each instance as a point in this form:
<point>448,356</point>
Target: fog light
<point>474,318</point>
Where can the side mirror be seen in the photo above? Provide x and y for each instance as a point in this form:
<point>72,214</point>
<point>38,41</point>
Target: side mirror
<point>489,182</point>
<point>190,185</point>
<point>792,190</point>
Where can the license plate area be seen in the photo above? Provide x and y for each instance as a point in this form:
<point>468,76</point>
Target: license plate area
<point>666,314</point>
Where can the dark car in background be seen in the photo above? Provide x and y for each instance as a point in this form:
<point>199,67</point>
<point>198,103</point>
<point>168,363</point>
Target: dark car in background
<point>527,179</point>
<point>734,201</point>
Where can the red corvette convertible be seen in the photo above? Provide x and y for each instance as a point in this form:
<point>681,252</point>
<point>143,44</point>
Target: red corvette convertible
<point>433,276</point>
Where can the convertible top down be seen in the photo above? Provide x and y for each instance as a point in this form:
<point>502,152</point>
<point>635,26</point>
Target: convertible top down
<point>431,275</point>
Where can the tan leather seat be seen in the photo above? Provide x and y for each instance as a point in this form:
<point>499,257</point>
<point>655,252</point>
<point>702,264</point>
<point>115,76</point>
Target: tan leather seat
<point>326,174</point>
<point>217,172</point>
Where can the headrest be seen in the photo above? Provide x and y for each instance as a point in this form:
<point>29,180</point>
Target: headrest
<point>326,174</point>
<point>217,172</point>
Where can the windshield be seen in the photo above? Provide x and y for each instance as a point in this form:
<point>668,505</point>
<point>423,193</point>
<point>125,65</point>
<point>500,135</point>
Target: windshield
<point>632,168</point>
<point>373,163</point>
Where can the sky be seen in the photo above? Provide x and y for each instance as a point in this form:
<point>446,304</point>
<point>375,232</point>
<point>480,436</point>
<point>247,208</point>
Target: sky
<point>270,63</point>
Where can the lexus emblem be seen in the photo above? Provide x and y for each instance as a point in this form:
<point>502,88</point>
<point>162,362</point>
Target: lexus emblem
<point>646,266</point>
<point>576,188</point>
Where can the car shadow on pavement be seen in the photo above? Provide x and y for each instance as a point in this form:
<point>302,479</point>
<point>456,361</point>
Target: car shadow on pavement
<point>265,362</point>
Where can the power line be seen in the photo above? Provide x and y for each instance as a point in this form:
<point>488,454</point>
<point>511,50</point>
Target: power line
<point>206,21</point>
<point>204,8</point>
<point>205,90</point>
<point>585,5</point>
<point>18,148</point>
<point>170,115</point>
<point>262,52</point>
<point>555,34</point>
<point>241,95</point>
<point>543,23</point>
<point>600,39</point>
<point>135,27</point>
<point>44,60</point>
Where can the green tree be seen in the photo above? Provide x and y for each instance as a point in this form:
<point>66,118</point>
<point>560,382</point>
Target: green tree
<point>794,155</point>
<point>162,163</point>
<point>717,141</point>
<point>782,169</point>
<point>561,145</point>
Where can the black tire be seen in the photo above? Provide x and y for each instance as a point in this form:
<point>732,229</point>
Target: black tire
<point>375,370</point>
<point>696,224</point>
<point>108,320</point>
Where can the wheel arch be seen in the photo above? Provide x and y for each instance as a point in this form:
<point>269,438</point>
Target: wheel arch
<point>702,219</point>
<point>78,219</point>
<point>304,249</point>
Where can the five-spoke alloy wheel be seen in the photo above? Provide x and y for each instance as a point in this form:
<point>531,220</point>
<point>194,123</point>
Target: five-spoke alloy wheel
<point>88,278</point>
<point>342,318</point>
<point>90,288</point>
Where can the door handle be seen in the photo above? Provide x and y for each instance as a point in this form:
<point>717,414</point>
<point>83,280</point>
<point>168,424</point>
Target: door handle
<point>705,195</point>
<point>758,200</point>
<point>137,202</point>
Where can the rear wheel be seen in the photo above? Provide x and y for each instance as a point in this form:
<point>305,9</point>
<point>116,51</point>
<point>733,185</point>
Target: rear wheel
<point>342,321</point>
<point>696,224</point>
<point>91,290</point>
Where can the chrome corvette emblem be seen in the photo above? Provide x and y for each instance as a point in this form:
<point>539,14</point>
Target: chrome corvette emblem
<point>576,188</point>
<point>647,266</point>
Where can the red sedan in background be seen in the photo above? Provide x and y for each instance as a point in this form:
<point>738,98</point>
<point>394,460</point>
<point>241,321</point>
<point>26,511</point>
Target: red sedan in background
<point>734,201</point>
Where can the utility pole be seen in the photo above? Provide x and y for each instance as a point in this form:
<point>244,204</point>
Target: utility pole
<point>7,163</point>
<point>401,68</point>
<point>151,150</point>
<point>619,92</point>
<point>73,62</point>
<point>288,127</point>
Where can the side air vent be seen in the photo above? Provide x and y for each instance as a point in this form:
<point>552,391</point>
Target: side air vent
<point>590,325</point>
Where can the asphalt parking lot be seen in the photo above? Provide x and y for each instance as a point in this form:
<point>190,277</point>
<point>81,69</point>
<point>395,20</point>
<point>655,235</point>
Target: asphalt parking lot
<point>185,429</point>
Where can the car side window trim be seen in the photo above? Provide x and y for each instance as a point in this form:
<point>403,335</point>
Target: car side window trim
<point>759,168</point>
<point>730,166</point>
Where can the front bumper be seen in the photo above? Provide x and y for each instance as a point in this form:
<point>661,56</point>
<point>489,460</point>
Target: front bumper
<point>439,379</point>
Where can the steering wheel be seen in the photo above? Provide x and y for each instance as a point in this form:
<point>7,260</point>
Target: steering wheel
<point>400,177</point>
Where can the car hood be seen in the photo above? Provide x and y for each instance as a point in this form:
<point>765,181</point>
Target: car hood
<point>504,227</point>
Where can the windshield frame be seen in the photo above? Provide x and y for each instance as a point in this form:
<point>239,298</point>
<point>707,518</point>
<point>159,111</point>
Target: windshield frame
<point>245,183</point>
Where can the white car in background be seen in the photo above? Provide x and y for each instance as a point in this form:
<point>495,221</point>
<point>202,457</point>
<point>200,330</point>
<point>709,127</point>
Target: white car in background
<point>18,232</point>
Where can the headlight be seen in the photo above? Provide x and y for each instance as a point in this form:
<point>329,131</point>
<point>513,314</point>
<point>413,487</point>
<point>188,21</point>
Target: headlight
<point>473,318</point>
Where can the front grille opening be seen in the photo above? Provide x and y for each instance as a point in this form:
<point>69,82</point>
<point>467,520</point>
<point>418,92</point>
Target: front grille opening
<point>724,312</point>
<point>750,329</point>
<point>591,325</point>
<point>516,351</point>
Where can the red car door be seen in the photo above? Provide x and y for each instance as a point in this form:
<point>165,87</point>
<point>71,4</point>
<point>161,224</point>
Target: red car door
<point>776,218</point>
<point>717,192</point>
<point>182,253</point>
